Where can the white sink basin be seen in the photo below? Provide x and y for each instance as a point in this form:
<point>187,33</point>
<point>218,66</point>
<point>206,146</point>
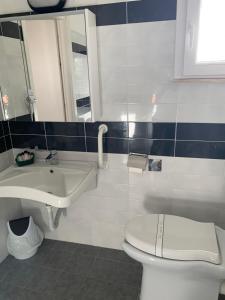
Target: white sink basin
<point>56,185</point>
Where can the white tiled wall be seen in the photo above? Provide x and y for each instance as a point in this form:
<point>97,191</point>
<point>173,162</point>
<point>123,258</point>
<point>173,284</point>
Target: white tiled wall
<point>9,208</point>
<point>193,188</point>
<point>137,67</point>
<point>136,63</point>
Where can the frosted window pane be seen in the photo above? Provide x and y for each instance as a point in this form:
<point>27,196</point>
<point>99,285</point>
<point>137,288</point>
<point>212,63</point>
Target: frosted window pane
<point>211,39</point>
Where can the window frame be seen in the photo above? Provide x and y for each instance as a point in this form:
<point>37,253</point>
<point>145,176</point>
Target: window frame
<point>187,26</point>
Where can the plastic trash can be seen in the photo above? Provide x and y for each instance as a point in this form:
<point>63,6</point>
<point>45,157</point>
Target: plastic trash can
<point>24,238</point>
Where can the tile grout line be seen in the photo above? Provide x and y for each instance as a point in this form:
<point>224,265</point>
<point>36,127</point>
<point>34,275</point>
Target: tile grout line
<point>94,137</point>
<point>118,138</point>
<point>10,134</point>
<point>4,136</point>
<point>176,125</point>
<point>175,140</point>
<point>46,141</point>
<point>202,141</point>
<point>85,135</point>
<point>127,19</point>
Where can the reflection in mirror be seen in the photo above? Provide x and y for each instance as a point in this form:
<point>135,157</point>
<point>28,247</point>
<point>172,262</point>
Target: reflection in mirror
<point>80,67</point>
<point>42,52</point>
<point>50,68</point>
<point>13,75</point>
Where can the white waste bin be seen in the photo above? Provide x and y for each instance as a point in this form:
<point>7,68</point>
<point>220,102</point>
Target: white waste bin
<point>24,238</point>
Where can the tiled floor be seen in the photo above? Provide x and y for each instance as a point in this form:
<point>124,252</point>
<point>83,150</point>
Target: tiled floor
<point>67,271</point>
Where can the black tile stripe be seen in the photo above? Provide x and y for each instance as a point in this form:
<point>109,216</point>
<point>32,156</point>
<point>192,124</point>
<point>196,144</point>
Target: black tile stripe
<point>66,143</point>
<point>192,139</point>
<point>115,129</point>
<point>83,102</point>
<point>65,129</point>
<point>11,30</point>
<point>110,145</point>
<point>5,138</point>
<point>148,130</point>
<point>122,13</point>
<point>109,14</point>
<point>26,118</point>
<point>5,126</point>
<point>152,147</point>
<point>78,48</point>
<point>24,128</point>
<point>151,10</point>
<point>198,131</point>
<point>28,141</point>
<point>8,142</point>
<point>1,129</point>
<point>195,149</point>
<point>2,145</point>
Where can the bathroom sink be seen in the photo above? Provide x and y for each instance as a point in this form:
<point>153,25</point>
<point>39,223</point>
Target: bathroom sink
<point>56,185</point>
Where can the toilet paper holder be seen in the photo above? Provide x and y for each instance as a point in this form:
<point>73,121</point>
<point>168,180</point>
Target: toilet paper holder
<point>137,162</point>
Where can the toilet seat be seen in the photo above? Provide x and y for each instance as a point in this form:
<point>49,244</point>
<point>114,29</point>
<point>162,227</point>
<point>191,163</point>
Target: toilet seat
<point>174,237</point>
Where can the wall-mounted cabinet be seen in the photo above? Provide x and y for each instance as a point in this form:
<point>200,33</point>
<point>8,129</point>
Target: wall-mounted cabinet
<point>200,45</point>
<point>55,64</point>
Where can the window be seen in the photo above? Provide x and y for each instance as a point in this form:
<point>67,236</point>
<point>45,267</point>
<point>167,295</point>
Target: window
<point>200,43</point>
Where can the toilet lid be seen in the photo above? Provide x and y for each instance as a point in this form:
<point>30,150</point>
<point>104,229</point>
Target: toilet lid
<point>174,237</point>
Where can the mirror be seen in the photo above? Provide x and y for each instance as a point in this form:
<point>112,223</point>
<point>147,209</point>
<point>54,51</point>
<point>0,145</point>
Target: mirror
<point>80,66</point>
<point>49,70</point>
<point>13,77</point>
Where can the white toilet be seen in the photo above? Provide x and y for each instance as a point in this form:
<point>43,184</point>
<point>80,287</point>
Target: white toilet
<point>182,259</point>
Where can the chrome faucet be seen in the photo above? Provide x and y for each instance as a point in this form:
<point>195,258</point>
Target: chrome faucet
<point>52,159</point>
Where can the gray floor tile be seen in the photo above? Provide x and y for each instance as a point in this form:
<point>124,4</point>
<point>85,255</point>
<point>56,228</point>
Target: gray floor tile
<point>86,250</point>
<point>115,255</point>
<point>75,248</point>
<point>43,279</point>
<point>69,286</point>
<point>99,290</point>
<point>19,274</point>
<point>39,259</point>
<point>57,259</point>
<point>43,254</point>
<point>112,271</point>
<point>48,245</point>
<point>65,246</point>
<point>5,268</point>
<point>80,264</point>
<point>11,292</point>
<point>67,271</point>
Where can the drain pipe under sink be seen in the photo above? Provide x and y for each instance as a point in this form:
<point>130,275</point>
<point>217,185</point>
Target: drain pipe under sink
<point>102,129</point>
<point>53,222</point>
